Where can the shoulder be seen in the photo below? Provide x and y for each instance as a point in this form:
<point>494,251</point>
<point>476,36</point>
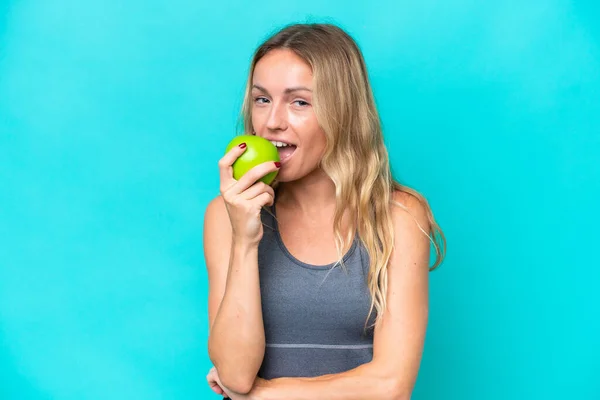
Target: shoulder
<point>409,212</point>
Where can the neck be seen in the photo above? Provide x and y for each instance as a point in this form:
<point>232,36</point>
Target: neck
<point>312,194</point>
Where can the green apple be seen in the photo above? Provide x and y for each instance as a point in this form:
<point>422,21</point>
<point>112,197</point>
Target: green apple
<point>258,151</point>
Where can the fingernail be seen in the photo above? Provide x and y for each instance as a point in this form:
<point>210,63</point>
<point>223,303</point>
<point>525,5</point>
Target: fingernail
<point>242,145</point>
<point>277,164</point>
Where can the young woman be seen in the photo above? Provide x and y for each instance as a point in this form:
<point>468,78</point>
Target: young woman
<point>319,284</point>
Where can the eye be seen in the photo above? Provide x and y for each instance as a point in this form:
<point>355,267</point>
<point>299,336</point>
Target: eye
<point>261,100</point>
<point>301,103</point>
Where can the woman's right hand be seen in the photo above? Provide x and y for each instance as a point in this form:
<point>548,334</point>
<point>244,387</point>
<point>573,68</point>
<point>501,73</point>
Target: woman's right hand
<point>245,198</point>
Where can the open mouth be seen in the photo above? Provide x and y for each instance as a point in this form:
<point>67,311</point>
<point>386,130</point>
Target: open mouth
<point>284,149</point>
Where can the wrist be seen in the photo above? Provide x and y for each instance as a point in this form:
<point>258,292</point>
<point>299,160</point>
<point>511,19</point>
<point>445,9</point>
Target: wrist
<point>241,244</point>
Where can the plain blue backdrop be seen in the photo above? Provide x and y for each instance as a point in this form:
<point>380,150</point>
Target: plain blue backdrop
<point>113,116</point>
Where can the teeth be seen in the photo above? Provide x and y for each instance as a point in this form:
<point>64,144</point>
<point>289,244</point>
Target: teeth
<point>279,144</point>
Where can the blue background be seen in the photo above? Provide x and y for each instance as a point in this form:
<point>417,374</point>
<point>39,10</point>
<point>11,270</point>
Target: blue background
<point>113,116</point>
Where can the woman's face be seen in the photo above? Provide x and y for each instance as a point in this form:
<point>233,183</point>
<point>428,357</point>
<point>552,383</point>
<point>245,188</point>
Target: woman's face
<point>282,111</point>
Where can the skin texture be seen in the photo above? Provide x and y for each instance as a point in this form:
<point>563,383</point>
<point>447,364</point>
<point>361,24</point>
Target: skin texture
<point>305,207</point>
<point>282,110</point>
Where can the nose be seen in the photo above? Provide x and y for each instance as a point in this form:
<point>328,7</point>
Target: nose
<point>277,117</point>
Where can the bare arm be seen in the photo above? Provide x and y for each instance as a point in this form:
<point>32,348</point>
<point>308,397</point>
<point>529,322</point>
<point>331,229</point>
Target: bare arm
<point>232,231</point>
<point>236,341</point>
<point>399,339</point>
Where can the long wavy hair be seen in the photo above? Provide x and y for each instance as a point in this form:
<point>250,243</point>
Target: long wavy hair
<point>355,158</point>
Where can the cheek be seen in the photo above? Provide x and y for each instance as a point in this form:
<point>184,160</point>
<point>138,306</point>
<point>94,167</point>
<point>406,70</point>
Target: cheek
<point>307,125</point>
<point>259,118</point>
<point>317,143</point>
<point>322,140</point>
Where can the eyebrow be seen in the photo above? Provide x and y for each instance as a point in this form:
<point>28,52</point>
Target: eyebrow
<point>286,91</point>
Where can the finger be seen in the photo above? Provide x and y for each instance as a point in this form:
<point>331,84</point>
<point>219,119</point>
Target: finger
<point>217,389</point>
<point>254,175</point>
<point>264,199</point>
<point>211,378</point>
<point>256,189</point>
<point>225,163</point>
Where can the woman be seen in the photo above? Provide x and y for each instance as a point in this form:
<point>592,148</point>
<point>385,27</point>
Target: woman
<point>319,284</point>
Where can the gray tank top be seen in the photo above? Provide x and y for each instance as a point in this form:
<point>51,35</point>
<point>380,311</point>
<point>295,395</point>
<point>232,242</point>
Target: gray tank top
<point>314,316</point>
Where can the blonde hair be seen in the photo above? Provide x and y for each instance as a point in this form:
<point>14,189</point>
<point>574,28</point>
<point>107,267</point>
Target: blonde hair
<point>355,158</point>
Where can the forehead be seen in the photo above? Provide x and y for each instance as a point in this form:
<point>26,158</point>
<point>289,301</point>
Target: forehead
<point>280,69</point>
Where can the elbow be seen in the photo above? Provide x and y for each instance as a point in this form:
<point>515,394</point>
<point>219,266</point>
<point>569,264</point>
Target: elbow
<point>401,396</point>
<point>233,377</point>
<point>237,384</point>
<point>398,390</point>
<point>393,384</point>
<point>394,387</point>
<point>236,380</point>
